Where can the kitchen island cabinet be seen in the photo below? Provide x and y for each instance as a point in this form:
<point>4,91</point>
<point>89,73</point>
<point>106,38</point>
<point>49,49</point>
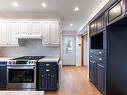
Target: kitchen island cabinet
<point>48,78</point>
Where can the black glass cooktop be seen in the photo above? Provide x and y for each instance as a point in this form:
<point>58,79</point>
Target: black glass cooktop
<point>28,58</point>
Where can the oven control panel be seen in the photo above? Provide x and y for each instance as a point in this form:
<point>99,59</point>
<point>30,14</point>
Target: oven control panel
<point>21,62</point>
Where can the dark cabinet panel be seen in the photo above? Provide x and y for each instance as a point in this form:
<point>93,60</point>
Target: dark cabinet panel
<point>100,22</point>
<point>3,73</point>
<point>97,67</point>
<point>116,12</point>
<point>101,77</point>
<point>52,82</point>
<point>43,82</point>
<point>48,76</point>
<point>92,28</point>
<point>92,72</point>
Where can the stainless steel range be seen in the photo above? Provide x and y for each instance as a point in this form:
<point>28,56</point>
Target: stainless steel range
<point>21,72</point>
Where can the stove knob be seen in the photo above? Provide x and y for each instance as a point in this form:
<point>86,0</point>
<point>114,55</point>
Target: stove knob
<point>14,62</point>
<point>28,62</point>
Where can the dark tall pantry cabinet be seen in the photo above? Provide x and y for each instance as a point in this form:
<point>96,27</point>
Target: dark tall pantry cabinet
<point>108,50</point>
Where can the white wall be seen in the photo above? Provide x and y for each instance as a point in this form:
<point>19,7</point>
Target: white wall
<point>86,49</point>
<point>78,50</point>
<point>32,47</point>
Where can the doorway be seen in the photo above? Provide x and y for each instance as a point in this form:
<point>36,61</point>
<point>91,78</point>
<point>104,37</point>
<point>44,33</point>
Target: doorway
<point>69,49</point>
<point>84,50</point>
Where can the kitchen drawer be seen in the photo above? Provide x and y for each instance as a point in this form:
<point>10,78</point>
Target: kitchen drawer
<point>101,60</point>
<point>98,52</point>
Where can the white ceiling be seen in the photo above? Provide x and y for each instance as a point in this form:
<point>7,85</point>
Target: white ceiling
<point>62,9</point>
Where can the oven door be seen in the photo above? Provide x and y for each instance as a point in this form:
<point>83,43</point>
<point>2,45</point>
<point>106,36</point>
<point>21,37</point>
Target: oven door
<point>21,77</point>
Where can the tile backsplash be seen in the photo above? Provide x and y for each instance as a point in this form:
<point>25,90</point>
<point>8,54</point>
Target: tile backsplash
<point>32,47</point>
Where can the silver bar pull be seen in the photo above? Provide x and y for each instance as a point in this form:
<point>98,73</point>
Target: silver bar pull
<point>100,59</point>
<point>100,52</point>
<point>47,64</point>
<point>47,70</point>
<point>100,65</point>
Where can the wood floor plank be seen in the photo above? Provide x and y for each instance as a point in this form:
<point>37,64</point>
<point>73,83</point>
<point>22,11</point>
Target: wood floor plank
<point>74,81</point>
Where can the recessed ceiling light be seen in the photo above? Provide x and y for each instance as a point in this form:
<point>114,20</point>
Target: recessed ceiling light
<point>71,24</point>
<point>15,4</point>
<point>44,5</point>
<point>76,8</point>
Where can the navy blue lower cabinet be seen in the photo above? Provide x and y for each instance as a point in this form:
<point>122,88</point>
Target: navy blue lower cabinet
<point>101,77</point>
<point>92,72</point>
<point>3,74</point>
<point>48,76</point>
<point>43,82</point>
<point>52,82</point>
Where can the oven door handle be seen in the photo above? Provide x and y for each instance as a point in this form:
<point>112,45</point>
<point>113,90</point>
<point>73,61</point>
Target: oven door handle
<point>32,67</point>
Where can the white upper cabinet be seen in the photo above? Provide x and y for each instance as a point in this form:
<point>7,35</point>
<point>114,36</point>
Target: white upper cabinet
<point>45,32</point>
<point>30,28</point>
<point>13,28</point>
<point>54,32</point>
<point>24,28</point>
<point>3,33</point>
<point>50,33</point>
<point>8,32</point>
<point>35,27</point>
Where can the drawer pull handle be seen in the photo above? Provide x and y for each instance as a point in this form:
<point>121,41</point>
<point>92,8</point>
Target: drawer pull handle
<point>91,56</point>
<point>47,70</point>
<point>100,65</point>
<point>47,64</point>
<point>100,52</point>
<point>100,59</point>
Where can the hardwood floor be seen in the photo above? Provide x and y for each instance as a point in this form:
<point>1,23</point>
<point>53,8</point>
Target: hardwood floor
<point>74,81</point>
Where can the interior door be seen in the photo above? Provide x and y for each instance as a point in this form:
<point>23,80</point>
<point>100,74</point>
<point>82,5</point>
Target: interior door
<point>69,50</point>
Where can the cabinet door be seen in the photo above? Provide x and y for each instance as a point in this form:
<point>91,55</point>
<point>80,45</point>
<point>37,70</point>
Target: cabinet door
<point>43,82</point>
<point>101,77</point>
<point>3,78</point>
<point>13,28</point>
<point>45,32</point>
<point>92,28</point>
<point>52,81</point>
<point>24,28</point>
<point>100,22</point>
<point>3,33</point>
<point>35,28</point>
<point>115,12</point>
<point>92,72</point>
<point>42,76</point>
<point>54,32</point>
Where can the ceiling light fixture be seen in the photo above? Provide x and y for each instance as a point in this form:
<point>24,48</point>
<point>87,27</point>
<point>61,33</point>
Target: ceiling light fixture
<point>44,5</point>
<point>76,8</point>
<point>71,24</point>
<point>15,4</point>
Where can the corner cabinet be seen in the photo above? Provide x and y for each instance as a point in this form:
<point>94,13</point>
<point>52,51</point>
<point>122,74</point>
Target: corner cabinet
<point>50,33</point>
